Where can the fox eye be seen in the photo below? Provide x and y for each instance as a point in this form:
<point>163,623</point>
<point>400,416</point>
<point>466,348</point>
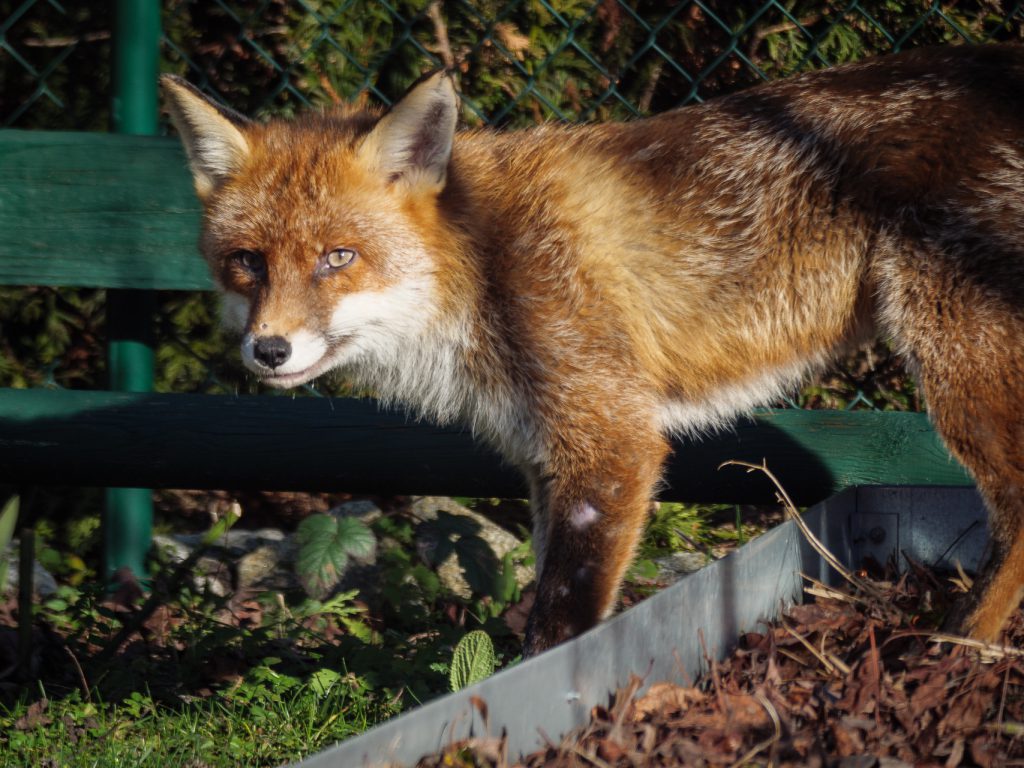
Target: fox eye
<point>250,261</point>
<point>340,257</point>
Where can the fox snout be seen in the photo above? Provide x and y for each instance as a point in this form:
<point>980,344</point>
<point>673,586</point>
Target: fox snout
<point>287,359</point>
<point>271,351</point>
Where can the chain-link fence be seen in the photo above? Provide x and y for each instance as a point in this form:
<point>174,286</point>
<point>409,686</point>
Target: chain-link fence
<point>518,62</point>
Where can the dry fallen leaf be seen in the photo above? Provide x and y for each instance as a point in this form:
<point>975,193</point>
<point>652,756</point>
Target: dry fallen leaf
<point>856,683</point>
<point>35,716</point>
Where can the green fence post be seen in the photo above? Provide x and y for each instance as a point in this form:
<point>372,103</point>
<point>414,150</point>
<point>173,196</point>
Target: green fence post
<point>128,521</point>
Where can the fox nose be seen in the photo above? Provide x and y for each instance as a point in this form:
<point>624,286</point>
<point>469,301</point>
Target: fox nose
<point>272,351</point>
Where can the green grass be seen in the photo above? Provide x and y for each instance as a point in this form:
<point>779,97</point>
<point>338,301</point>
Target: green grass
<point>274,678</point>
<point>205,693</point>
<point>711,529</point>
<point>263,726</point>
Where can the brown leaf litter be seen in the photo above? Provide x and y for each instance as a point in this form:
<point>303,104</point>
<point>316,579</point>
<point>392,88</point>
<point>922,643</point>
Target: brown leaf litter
<point>853,680</point>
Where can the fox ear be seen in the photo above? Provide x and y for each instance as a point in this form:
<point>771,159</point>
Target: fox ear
<point>212,134</point>
<point>413,141</point>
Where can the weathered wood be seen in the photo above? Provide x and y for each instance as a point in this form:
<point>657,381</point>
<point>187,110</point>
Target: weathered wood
<point>82,209</point>
<point>99,210</point>
<point>210,441</point>
<point>814,454</point>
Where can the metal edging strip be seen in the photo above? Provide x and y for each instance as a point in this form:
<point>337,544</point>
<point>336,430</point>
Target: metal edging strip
<point>670,635</point>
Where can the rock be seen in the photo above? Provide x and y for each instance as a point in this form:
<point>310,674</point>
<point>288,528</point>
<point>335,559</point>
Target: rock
<point>43,582</point>
<point>240,559</point>
<point>236,541</point>
<point>267,568</point>
<point>209,573</point>
<point>672,568</point>
<point>172,550</point>
<point>213,575</point>
<point>363,510</point>
<point>464,547</point>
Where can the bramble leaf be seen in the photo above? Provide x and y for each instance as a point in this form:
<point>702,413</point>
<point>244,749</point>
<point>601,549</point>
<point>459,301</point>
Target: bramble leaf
<point>472,661</point>
<point>325,545</point>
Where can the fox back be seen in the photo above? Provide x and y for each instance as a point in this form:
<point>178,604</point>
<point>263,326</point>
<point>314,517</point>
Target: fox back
<point>578,294</point>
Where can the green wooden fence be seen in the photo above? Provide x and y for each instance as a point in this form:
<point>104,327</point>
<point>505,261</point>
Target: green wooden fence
<point>126,204</point>
<point>116,212</point>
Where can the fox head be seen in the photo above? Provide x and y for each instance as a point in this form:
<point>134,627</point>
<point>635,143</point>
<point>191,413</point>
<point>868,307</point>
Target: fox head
<point>318,230</point>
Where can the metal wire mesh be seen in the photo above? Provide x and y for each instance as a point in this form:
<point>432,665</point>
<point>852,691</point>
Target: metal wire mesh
<point>518,62</point>
<point>531,60</point>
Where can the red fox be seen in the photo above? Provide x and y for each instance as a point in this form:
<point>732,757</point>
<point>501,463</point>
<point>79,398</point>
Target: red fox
<point>577,294</point>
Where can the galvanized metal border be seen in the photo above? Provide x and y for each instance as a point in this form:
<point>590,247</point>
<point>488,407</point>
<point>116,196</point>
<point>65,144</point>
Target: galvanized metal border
<point>937,526</point>
<point>671,635</point>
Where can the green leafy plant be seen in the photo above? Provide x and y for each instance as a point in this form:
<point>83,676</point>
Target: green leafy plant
<point>674,527</point>
<point>472,661</point>
<point>326,543</point>
<point>342,608</point>
<point>8,520</point>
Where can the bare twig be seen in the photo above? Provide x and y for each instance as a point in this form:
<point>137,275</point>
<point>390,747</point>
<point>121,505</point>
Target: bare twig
<point>836,661</point>
<point>825,662</point>
<point>774,29</point>
<point>694,544</point>
<point>81,675</point>
<point>813,540</point>
<point>767,743</point>
<point>989,651</point>
<point>819,589</point>
<point>962,581</point>
<point>592,759</point>
<point>876,673</point>
<point>791,656</point>
<point>66,42</point>
<point>644,104</point>
<point>1002,697</point>
<point>444,46</point>
<point>963,535</point>
<point>134,623</point>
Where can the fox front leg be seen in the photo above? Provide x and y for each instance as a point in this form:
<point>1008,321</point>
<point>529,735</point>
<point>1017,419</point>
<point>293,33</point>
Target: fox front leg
<point>587,526</point>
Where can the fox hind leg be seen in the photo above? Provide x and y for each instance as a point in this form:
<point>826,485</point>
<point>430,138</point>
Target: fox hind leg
<point>959,319</point>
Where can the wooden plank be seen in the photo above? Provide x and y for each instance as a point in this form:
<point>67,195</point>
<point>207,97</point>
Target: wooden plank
<point>814,454</point>
<point>99,210</point>
<point>63,437</point>
<point>81,209</point>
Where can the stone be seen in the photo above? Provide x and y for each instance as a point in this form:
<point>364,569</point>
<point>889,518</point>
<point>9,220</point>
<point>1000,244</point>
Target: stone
<point>43,582</point>
<point>236,541</point>
<point>672,568</point>
<point>212,575</point>
<point>464,547</point>
<point>171,549</point>
<point>209,573</point>
<point>266,568</point>
<point>363,510</point>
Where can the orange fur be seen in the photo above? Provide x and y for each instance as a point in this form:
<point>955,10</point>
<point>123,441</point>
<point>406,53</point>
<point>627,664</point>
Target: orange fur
<point>576,294</point>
